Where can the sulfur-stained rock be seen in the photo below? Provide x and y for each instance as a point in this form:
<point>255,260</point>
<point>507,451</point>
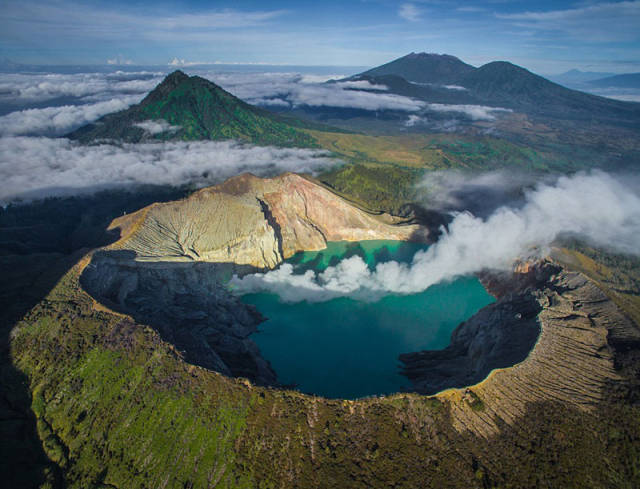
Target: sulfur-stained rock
<point>253,221</point>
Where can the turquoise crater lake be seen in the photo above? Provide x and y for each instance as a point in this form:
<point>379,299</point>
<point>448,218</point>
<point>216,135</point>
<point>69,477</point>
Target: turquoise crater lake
<point>345,348</point>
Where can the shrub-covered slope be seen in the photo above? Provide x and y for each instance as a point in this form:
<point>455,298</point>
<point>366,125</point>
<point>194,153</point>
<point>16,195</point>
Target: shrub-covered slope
<point>118,407</point>
<point>192,108</point>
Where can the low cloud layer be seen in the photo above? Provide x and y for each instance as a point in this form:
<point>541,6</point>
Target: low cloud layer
<point>35,167</point>
<point>597,207</point>
<point>56,121</point>
<point>27,88</point>
<point>156,127</point>
<point>55,103</point>
<point>474,112</point>
<point>428,116</point>
<point>291,90</point>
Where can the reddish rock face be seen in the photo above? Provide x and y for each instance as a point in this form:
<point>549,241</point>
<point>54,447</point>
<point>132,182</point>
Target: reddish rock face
<point>254,221</point>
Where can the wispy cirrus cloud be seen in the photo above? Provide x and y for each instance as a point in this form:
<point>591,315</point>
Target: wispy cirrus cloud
<point>68,14</point>
<point>609,21</point>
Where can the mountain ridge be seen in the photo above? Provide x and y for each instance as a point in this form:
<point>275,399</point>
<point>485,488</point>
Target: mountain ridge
<point>625,80</point>
<point>424,68</point>
<point>501,84</point>
<point>192,108</point>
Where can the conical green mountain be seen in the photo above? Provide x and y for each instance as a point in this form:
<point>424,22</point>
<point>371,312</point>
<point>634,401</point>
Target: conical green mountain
<point>192,108</point>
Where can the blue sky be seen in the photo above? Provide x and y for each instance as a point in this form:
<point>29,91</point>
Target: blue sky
<point>545,36</point>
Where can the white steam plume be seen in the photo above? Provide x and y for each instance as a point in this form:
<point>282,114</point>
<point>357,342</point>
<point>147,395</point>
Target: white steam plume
<point>595,206</point>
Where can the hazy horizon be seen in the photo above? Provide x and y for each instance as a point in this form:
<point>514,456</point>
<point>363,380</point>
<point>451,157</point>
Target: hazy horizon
<point>548,37</point>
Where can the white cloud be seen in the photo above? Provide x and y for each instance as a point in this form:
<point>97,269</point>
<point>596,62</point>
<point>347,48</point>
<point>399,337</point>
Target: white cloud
<point>607,21</point>
<point>88,96</point>
<point>294,89</point>
<point>454,87</point>
<point>413,120</point>
<point>157,126</point>
<point>362,85</point>
<point>56,121</point>
<point>34,167</point>
<point>410,12</point>
<point>336,96</point>
<point>597,207</point>
<point>119,60</point>
<point>37,87</point>
<point>474,112</point>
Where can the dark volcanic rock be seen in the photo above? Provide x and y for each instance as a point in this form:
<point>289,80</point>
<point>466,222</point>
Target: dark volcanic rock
<point>188,306</point>
<point>584,354</point>
<point>500,335</point>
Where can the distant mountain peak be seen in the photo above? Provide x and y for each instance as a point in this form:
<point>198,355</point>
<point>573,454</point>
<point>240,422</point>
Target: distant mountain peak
<point>166,86</point>
<point>424,54</point>
<point>425,68</point>
<point>502,84</point>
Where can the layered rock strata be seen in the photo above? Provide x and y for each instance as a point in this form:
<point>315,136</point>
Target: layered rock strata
<point>253,221</point>
<point>575,360</point>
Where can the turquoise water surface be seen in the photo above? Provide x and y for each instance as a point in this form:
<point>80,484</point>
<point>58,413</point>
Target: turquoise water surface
<point>344,348</point>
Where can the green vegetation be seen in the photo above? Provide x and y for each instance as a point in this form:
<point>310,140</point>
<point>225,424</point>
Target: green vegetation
<point>384,170</point>
<point>198,109</point>
<point>111,409</point>
<point>117,407</point>
<point>92,399</point>
<point>617,274</point>
<point>374,186</point>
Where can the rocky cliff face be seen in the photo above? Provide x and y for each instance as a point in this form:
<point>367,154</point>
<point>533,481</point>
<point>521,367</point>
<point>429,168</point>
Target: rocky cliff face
<point>170,267</point>
<point>577,357</point>
<point>252,221</point>
<point>188,306</point>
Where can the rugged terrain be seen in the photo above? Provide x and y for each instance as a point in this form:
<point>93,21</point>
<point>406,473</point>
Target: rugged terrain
<point>119,405</point>
<point>253,221</point>
<point>170,267</point>
<point>136,370</point>
<point>131,366</point>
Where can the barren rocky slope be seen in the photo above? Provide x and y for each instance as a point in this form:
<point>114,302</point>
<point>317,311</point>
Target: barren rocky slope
<point>253,221</point>
<point>579,355</point>
<point>119,406</point>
